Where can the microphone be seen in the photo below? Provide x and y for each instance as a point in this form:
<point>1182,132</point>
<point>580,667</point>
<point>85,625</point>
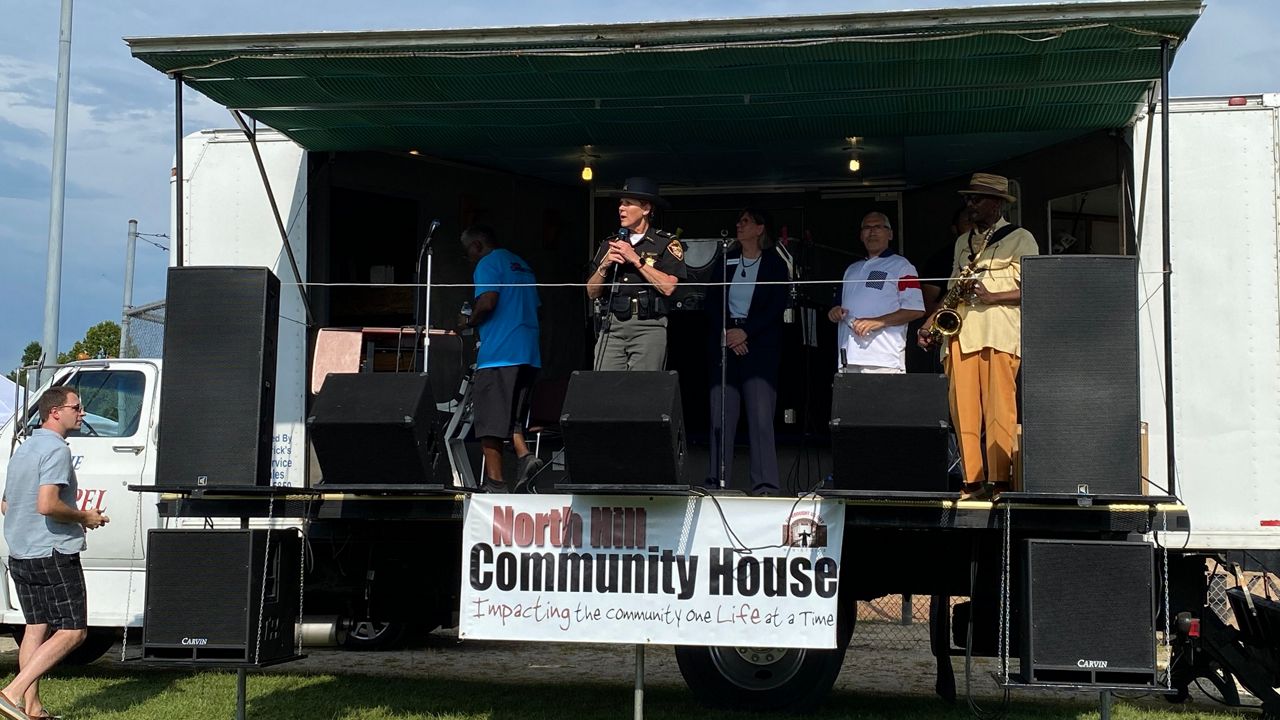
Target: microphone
<point>624,234</point>
<point>431,230</point>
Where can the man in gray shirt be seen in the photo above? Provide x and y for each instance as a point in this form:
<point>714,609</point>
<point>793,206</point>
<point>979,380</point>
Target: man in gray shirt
<point>45,535</point>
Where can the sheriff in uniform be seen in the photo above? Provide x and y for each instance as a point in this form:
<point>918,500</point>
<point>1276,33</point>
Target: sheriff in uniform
<point>636,270</point>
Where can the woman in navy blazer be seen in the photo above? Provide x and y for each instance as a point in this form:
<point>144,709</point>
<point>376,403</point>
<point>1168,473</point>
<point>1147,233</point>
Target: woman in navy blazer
<point>747,331</point>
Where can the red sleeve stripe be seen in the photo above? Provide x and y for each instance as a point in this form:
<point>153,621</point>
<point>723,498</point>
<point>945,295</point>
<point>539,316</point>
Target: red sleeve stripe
<point>908,282</point>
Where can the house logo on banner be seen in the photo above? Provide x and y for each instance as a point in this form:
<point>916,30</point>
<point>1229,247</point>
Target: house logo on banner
<point>686,570</point>
<point>804,530</point>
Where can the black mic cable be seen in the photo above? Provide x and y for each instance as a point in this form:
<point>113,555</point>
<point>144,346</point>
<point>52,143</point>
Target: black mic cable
<point>624,235</point>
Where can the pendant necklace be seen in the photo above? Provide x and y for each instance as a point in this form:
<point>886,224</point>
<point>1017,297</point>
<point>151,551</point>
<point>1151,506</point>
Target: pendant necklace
<point>743,264</point>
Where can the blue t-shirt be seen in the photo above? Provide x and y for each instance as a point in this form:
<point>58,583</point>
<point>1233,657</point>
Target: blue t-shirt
<point>44,459</point>
<point>509,335</point>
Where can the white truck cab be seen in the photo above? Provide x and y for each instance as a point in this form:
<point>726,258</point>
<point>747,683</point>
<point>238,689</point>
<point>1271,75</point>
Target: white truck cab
<point>115,448</point>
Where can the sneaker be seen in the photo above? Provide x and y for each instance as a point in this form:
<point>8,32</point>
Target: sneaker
<point>527,468</point>
<point>489,485</point>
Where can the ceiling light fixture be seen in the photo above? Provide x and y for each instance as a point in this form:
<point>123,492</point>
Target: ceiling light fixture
<point>587,158</point>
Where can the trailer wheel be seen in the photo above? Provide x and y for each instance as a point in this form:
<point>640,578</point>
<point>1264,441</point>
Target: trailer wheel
<point>369,634</point>
<point>747,678</point>
<point>751,678</point>
<point>95,645</point>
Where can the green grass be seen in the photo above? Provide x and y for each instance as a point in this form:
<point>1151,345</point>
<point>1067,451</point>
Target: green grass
<point>111,691</point>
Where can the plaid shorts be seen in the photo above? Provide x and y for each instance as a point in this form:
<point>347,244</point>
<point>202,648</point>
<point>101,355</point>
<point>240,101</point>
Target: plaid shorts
<point>51,590</point>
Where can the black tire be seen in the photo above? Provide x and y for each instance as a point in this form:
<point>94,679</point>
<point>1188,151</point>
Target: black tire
<point>763,679</point>
<point>95,645</point>
<point>370,634</point>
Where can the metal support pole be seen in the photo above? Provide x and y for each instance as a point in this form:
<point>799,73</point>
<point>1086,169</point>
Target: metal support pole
<point>179,216</point>
<point>130,248</point>
<point>252,136</point>
<point>1170,457</point>
<point>57,193</point>
<point>1104,705</point>
<point>639,699</point>
<point>242,677</point>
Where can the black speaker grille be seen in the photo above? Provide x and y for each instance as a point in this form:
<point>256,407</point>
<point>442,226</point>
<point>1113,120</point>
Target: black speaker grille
<point>623,427</point>
<point>1089,611</point>
<point>909,400</point>
<point>1080,398</point>
<point>205,570</point>
<point>218,406</point>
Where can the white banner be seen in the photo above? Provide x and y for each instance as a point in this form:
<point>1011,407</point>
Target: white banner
<point>761,572</point>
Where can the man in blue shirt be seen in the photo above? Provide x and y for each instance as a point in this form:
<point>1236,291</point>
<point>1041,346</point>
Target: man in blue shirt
<point>45,533</point>
<point>507,361</point>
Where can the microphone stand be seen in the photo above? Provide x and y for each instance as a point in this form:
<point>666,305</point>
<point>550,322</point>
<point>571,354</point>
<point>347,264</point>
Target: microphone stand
<point>422,320</point>
<point>724,348</point>
<point>607,311</point>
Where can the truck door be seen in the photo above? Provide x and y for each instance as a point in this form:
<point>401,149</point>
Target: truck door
<point>113,449</point>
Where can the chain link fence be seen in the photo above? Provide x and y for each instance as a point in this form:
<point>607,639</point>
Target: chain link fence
<point>145,328</point>
<point>897,622</point>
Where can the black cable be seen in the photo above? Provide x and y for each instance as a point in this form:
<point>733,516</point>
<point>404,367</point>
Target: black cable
<point>972,704</point>
<point>606,320</point>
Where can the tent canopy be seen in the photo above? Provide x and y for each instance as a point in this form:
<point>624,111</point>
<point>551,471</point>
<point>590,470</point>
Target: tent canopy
<point>917,96</point>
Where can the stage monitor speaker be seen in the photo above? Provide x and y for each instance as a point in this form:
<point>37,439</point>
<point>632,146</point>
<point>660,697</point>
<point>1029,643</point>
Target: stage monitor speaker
<point>1088,613</point>
<point>1080,403</point>
<point>623,428</point>
<point>375,428</point>
<point>217,410</point>
<point>222,596</point>
<point>890,432</point>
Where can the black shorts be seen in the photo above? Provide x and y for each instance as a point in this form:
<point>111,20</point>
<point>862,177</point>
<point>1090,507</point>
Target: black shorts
<point>501,399</point>
<point>51,590</point>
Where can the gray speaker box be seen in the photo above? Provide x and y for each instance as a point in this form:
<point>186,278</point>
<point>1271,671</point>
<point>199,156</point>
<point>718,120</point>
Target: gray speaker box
<point>1088,613</point>
<point>623,428</point>
<point>222,596</point>
<point>1080,392</point>
<point>217,410</point>
<point>890,432</point>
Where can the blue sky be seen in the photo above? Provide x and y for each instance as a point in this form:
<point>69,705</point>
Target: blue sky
<point>120,146</point>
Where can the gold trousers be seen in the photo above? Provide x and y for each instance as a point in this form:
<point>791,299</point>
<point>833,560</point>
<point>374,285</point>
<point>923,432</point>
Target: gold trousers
<point>984,397</point>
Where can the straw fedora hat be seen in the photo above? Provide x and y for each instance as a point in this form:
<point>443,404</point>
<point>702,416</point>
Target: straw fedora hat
<point>988,184</point>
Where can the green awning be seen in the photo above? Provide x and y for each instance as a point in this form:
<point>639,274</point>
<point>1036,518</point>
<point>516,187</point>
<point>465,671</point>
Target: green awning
<point>707,102</point>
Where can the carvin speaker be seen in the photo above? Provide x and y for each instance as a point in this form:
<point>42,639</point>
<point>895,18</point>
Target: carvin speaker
<point>222,596</point>
<point>623,428</point>
<point>217,410</point>
<point>1088,613</point>
<point>374,428</point>
<point>889,432</point>
<point>1080,403</point>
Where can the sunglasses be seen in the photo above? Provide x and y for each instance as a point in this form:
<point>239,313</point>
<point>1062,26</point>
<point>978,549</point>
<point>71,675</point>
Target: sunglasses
<point>77,407</point>
<point>975,199</point>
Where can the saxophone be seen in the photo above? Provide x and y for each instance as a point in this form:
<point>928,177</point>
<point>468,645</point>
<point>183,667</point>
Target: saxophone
<point>946,322</point>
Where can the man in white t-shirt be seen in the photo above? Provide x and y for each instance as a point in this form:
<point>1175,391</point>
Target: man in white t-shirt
<point>878,297</point>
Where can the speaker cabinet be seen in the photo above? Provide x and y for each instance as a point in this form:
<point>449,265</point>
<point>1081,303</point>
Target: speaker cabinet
<point>1080,403</point>
<point>889,432</point>
<point>374,428</point>
<point>623,428</point>
<point>217,410</point>
<point>222,596</point>
<point>1088,613</point>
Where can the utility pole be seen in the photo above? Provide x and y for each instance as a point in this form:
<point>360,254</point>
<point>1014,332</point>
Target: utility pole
<point>131,246</point>
<point>53,275</point>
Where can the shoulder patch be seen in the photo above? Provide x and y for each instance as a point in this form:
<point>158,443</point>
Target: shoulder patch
<point>676,249</point>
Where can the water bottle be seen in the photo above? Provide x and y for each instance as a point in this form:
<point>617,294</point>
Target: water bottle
<point>466,329</point>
